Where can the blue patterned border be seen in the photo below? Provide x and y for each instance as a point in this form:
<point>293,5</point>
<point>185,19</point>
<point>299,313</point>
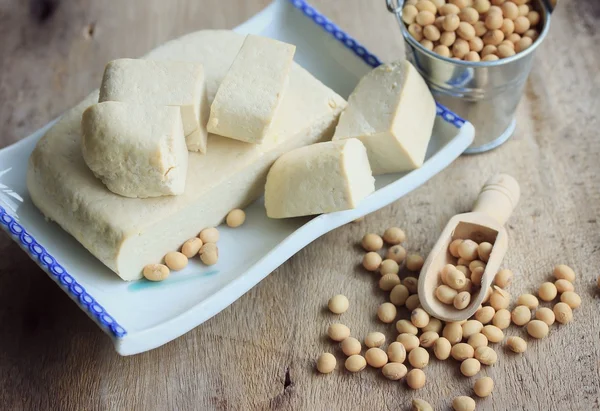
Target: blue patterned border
<point>58,273</point>
<point>358,49</point>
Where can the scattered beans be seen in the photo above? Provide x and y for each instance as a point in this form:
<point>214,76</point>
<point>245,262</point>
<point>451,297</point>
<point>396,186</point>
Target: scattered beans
<point>528,300</point>
<point>412,284</point>
<point>355,363</point>
<point>571,298</point>
<point>486,355</point>
<point>419,317</point>
<point>387,313</point>
<point>477,340</point>
<point>351,346</point>
<point>371,261</point>
<point>563,285</point>
<point>156,272</point>
<point>394,235</point>
<point>537,329</point>
<point>564,272</point>
<point>396,352</point>
<point>546,315</point>
<point>389,281</point>
<point>428,338</point>
<point>471,327</point>
<point>434,325</point>
<point>503,277</point>
<point>209,254</point>
<point>338,332</point>
<point>376,357</point>
<point>414,262</point>
<point>394,371</point>
<point>485,314</point>
<point>415,378</point>
<point>389,266</point>
<point>338,304</point>
<point>547,291</point>
<point>463,403</point>
<point>521,315</point>
<point>374,339</point>
<point>563,313</point>
<point>396,253</point>
<point>405,326</point>
<point>372,242</point>
<point>175,260</point>
<point>235,218</point>
<point>462,351</point>
<point>493,333</point>
<point>191,247</point>
<point>442,348</point>
<point>470,367</point>
<point>453,333</point>
<point>409,341</point>
<point>499,298</point>
<point>483,387</point>
<point>502,319</point>
<point>399,295</point>
<point>516,344</point>
<point>421,405</point>
<point>418,357</point>
<point>326,363</point>
<point>209,235</point>
<point>412,302</point>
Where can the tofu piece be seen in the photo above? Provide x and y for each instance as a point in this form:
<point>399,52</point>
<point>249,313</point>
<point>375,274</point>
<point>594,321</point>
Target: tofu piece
<point>251,92</point>
<point>392,112</point>
<point>137,151</point>
<point>320,178</point>
<point>127,233</point>
<point>162,83</point>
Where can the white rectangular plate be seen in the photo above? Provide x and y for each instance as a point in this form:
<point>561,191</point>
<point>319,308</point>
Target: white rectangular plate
<point>140,316</point>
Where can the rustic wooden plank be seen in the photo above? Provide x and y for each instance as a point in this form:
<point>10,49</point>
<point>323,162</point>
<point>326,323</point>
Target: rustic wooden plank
<point>259,353</point>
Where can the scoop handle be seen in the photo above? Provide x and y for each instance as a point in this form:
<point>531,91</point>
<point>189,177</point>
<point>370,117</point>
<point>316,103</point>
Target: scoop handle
<point>498,197</point>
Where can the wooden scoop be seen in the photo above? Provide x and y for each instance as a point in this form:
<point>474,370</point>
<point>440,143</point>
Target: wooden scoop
<point>493,207</point>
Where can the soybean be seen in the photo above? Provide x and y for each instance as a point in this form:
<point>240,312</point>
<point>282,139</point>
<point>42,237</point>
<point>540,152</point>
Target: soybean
<point>351,346</point>
<point>326,363</point>
<point>338,304</point>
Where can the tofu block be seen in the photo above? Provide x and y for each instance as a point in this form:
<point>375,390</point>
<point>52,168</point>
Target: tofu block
<point>320,178</point>
<point>392,112</point>
<point>127,233</point>
<point>162,83</point>
<point>137,151</point>
<point>251,92</point>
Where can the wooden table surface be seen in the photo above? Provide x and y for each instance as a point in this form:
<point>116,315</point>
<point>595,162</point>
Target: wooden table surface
<point>260,352</point>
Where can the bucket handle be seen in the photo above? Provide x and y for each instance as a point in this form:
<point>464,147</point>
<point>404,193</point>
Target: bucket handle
<point>394,7</point>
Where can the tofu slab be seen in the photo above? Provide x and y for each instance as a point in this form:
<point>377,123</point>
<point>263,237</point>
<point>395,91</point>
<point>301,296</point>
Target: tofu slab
<point>170,83</point>
<point>392,112</point>
<point>128,233</point>
<point>320,178</point>
<point>251,92</point>
<point>137,151</point>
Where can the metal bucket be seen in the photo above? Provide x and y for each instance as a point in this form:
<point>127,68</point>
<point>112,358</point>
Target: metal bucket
<point>484,93</point>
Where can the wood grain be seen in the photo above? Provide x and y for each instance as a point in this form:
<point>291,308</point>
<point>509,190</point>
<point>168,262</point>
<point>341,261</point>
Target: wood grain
<point>260,352</point>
